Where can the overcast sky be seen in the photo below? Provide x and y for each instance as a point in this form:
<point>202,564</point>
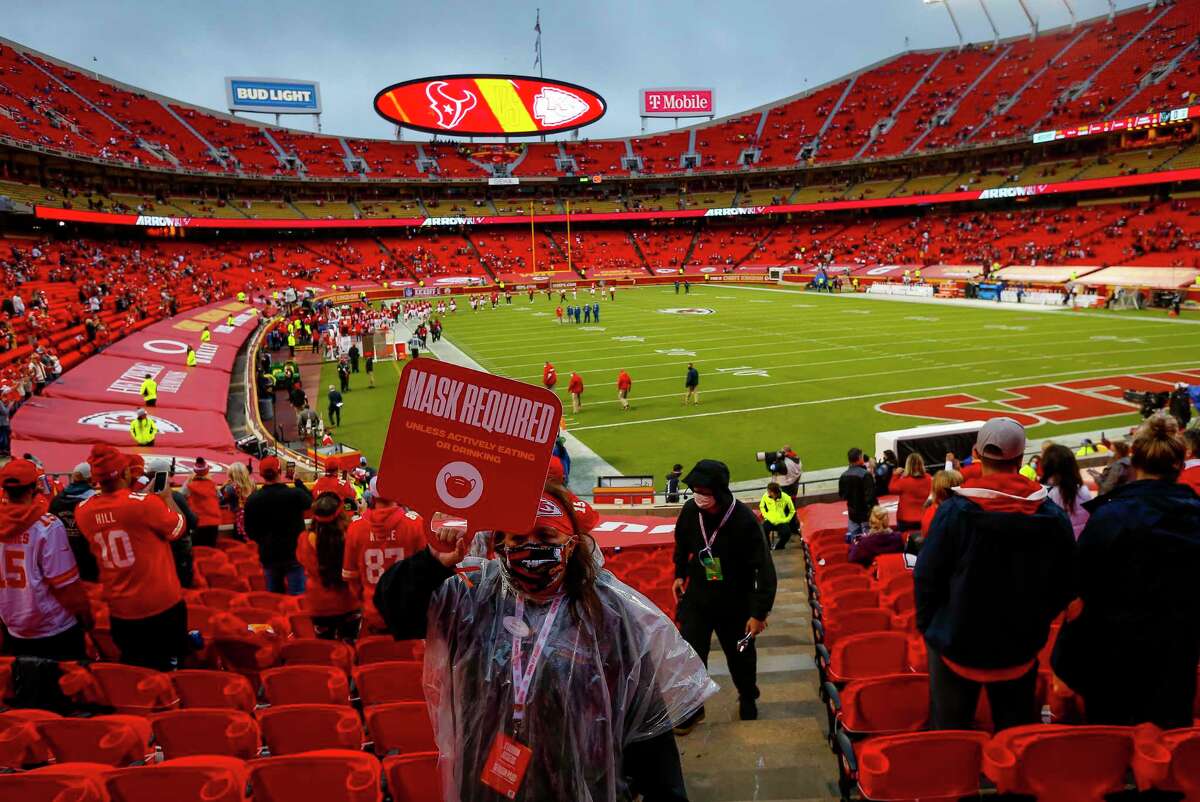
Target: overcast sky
<point>751,53</point>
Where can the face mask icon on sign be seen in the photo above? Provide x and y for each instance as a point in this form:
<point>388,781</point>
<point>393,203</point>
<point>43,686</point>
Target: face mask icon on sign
<point>459,485</point>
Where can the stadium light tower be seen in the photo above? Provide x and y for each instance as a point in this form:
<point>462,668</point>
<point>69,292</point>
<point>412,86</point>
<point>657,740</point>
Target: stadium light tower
<point>992,22</point>
<point>953,21</point>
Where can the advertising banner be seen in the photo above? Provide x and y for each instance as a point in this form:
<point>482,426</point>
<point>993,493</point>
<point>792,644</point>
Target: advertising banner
<point>489,105</point>
<point>118,380</point>
<point>676,103</point>
<point>273,95</point>
<point>469,444</point>
<point>65,420</point>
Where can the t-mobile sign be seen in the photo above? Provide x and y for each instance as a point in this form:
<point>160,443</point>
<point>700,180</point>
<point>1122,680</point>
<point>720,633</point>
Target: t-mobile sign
<point>677,103</point>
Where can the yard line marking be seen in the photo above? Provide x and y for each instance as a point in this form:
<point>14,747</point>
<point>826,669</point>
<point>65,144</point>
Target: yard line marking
<point>793,404</point>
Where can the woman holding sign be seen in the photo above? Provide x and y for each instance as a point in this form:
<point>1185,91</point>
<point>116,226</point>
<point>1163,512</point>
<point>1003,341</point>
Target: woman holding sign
<point>548,679</point>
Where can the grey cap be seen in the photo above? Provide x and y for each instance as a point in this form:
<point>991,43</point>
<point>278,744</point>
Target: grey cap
<point>1001,439</point>
<point>84,470</point>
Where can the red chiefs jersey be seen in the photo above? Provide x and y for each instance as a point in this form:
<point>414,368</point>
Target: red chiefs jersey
<point>129,534</point>
<point>374,543</point>
<point>332,484</point>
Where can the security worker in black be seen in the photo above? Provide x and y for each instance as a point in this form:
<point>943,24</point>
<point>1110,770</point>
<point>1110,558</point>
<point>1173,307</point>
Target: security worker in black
<point>724,580</point>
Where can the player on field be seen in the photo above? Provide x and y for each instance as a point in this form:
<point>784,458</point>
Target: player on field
<point>130,535</point>
<point>43,606</point>
<point>549,376</point>
<point>385,535</point>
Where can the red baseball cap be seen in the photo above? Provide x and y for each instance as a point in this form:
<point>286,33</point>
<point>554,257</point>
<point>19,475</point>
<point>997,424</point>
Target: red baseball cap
<point>19,473</point>
<point>555,471</point>
<point>270,467</point>
<point>106,462</point>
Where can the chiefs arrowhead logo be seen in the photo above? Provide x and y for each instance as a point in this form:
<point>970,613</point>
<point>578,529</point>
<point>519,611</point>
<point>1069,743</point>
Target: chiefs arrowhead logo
<point>555,107</point>
<point>548,509</point>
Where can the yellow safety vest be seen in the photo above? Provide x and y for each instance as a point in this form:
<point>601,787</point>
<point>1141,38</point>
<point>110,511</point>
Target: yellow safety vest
<point>149,390</point>
<point>205,336</point>
<point>776,511</point>
<point>191,359</point>
<point>143,431</point>
<point>291,339</point>
<point>229,320</point>
<point>241,296</point>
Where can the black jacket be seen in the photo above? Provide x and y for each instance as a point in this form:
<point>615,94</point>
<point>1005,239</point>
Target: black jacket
<point>748,583</point>
<point>275,519</point>
<point>63,507</point>
<point>988,584</point>
<point>1138,559</point>
<point>856,487</point>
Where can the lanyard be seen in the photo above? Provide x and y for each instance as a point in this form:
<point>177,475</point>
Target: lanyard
<point>708,541</point>
<point>522,679</point>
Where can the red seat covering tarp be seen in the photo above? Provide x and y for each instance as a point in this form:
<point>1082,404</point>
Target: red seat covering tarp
<point>65,420</point>
<point>117,380</point>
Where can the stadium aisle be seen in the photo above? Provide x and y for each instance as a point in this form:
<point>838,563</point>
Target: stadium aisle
<point>782,757</point>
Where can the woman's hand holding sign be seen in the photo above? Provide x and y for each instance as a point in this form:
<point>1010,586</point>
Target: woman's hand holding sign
<point>449,545</point>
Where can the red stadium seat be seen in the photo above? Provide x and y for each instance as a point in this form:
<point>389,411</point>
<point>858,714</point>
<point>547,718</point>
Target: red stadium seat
<point>289,729</point>
<point>393,681</point>
<point>314,651</point>
<point>921,765</point>
<point>380,648</point>
<point>413,778</point>
<point>68,782</point>
<point>1067,763</point>
<point>884,705</point>
<point>275,602</point>
<point>305,684</point>
<point>401,727</point>
<point>328,775</point>
<point>871,654</point>
<point>1168,761</point>
<point>131,689</point>
<point>206,731</point>
<point>116,740</point>
<point>20,743</point>
<point>200,688</point>
<point>855,622</point>
<point>211,778</point>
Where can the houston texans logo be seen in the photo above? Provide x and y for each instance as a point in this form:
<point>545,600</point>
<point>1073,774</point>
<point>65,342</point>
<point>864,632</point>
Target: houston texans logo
<point>449,110</point>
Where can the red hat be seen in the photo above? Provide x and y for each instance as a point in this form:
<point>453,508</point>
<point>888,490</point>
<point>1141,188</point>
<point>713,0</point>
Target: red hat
<point>555,471</point>
<point>19,473</point>
<point>200,466</point>
<point>137,465</point>
<point>552,516</point>
<point>106,462</point>
<point>270,468</point>
<point>331,468</point>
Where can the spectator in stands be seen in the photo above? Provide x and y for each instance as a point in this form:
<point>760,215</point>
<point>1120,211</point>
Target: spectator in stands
<point>1180,405</point>
<point>724,579</point>
<point>778,511</point>
<point>335,406</point>
<point>181,547</point>
<point>1139,556</point>
<point>1060,474</point>
<point>943,482</point>
<point>63,507</point>
<point>879,539</point>
<point>274,520</point>
<point>856,487</point>
<point>384,535</point>
<point>43,606</point>
<point>143,429</point>
<point>634,673</point>
<point>995,570</point>
<point>5,429</point>
<point>1117,472</point>
<point>912,485</point>
<point>329,599</point>
<point>1190,475</point>
<point>130,535</point>
<point>201,493</point>
<point>234,493</point>
<point>332,483</point>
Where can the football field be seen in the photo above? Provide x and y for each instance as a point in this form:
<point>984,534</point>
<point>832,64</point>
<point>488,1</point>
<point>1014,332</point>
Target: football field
<point>818,372</point>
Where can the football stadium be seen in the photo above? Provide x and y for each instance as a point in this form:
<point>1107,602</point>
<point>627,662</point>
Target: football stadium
<point>662,403</point>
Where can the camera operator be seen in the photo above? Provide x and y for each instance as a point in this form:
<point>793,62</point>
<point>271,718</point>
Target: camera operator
<point>882,471</point>
<point>785,471</point>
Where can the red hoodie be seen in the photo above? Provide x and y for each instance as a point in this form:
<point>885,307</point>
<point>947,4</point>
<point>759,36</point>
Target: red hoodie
<point>576,384</point>
<point>15,519</point>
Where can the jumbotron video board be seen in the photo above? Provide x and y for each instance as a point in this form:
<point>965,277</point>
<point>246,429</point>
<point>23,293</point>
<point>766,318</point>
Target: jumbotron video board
<point>489,105</point>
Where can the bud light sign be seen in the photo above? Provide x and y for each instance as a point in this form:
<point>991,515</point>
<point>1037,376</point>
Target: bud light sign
<point>489,105</point>
<point>273,95</point>
<point>677,103</point>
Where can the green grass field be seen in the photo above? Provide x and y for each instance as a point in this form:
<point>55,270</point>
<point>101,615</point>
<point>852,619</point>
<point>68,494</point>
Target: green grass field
<point>781,366</point>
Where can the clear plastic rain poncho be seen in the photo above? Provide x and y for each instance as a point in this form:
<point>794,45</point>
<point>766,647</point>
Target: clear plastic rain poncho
<point>592,693</point>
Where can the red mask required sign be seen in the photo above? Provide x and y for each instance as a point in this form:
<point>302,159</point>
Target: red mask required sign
<point>469,444</point>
